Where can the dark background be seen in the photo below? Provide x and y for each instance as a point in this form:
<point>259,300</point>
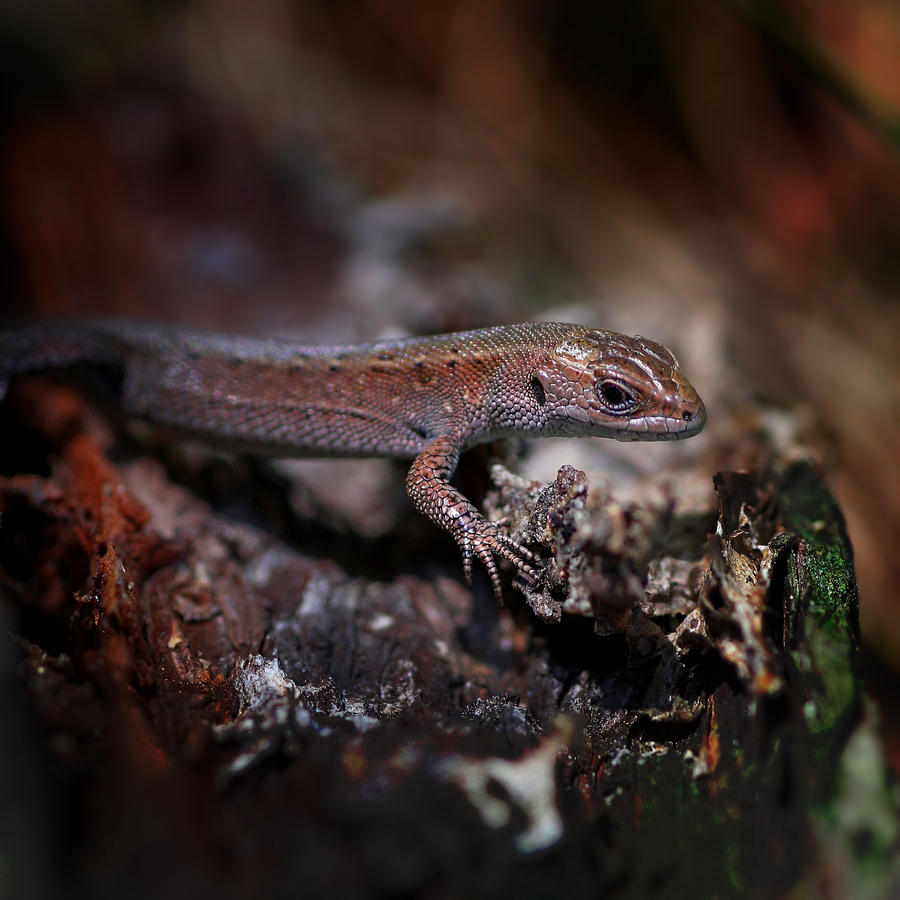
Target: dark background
<point>720,176</point>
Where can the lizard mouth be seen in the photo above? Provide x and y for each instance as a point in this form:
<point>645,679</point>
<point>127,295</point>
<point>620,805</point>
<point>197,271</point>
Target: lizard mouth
<point>689,420</point>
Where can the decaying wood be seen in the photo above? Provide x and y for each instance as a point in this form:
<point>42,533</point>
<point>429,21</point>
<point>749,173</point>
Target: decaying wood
<point>222,709</point>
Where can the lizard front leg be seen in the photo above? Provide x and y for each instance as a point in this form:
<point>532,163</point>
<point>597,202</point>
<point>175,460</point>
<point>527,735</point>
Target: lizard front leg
<point>432,494</point>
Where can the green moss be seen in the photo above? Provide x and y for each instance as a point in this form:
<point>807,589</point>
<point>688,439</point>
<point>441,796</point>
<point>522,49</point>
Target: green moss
<point>824,647</point>
<point>808,509</point>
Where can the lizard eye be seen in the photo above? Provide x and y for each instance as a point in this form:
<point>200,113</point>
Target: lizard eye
<point>616,397</point>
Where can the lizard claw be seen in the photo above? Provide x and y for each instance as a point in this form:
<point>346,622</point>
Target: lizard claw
<point>518,549</point>
<point>486,542</point>
<point>525,558</point>
<point>487,558</point>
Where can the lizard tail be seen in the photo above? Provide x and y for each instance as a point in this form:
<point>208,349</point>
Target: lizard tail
<point>48,347</point>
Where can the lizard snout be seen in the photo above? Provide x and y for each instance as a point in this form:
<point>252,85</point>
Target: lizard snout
<point>692,412</point>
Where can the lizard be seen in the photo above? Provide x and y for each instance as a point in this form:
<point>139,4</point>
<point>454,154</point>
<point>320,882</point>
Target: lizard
<point>425,398</point>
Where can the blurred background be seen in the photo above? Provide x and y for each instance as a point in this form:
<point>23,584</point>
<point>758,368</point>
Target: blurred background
<point>720,175</point>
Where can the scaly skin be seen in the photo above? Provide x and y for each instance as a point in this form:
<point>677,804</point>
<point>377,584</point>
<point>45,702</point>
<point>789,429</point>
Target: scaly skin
<point>428,397</point>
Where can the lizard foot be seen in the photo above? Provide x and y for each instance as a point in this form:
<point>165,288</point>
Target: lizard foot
<point>487,542</point>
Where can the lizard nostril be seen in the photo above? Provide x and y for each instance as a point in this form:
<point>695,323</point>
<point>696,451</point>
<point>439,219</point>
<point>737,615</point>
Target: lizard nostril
<point>687,415</point>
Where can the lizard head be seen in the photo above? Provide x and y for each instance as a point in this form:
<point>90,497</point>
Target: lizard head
<point>606,384</point>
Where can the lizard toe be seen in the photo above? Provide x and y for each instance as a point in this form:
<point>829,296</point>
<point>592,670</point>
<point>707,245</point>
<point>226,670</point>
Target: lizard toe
<point>523,556</point>
<point>467,556</point>
<point>486,555</point>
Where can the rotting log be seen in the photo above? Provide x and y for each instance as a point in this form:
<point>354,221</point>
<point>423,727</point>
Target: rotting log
<point>217,708</point>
